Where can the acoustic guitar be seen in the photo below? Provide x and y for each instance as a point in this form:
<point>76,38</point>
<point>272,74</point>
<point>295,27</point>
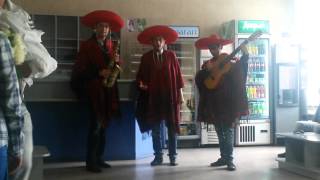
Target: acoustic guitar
<point>223,64</point>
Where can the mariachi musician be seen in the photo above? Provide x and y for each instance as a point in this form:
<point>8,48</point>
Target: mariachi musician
<point>93,68</point>
<point>222,93</point>
<point>160,78</point>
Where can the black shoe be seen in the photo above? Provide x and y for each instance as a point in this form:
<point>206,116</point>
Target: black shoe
<point>104,165</point>
<point>219,162</point>
<point>231,166</point>
<point>173,162</point>
<point>282,155</point>
<point>157,161</point>
<point>94,169</point>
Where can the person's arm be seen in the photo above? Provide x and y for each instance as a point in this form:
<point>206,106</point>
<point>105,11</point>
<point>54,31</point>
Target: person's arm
<point>83,67</point>
<point>244,60</point>
<point>179,80</point>
<point>24,69</point>
<point>181,97</point>
<point>11,103</point>
<point>143,73</point>
<point>245,54</point>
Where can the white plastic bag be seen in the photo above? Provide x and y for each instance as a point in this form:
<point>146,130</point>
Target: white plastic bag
<point>41,62</point>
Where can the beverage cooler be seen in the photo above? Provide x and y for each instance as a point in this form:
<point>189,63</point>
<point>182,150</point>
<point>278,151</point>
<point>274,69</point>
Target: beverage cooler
<point>186,54</point>
<point>185,51</point>
<point>254,129</point>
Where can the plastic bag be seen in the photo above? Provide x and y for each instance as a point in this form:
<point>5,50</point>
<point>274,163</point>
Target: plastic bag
<point>41,62</point>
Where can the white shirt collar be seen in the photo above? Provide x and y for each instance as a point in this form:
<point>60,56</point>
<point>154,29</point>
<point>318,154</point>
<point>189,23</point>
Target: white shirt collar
<point>159,52</point>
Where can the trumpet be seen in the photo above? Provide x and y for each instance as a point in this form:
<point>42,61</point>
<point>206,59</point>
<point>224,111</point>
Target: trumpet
<point>115,68</point>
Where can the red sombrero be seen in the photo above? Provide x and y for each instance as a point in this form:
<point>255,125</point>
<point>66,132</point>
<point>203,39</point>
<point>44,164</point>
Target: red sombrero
<point>166,32</point>
<point>204,43</point>
<point>95,17</point>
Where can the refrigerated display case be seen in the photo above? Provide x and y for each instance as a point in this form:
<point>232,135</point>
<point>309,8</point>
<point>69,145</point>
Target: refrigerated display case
<point>186,54</point>
<point>254,129</point>
<point>286,63</point>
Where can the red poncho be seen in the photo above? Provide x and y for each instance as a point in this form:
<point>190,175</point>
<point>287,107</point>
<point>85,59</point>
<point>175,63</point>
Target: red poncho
<point>164,81</point>
<point>85,76</point>
<point>228,101</point>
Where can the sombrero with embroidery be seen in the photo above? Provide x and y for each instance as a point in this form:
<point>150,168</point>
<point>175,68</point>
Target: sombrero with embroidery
<point>169,35</point>
<point>204,43</point>
<point>98,16</point>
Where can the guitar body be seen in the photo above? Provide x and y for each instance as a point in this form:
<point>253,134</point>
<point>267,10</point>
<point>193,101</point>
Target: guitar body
<point>217,71</point>
<point>223,64</point>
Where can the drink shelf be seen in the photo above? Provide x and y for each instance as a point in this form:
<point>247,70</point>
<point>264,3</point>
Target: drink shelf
<point>188,137</point>
<point>257,99</point>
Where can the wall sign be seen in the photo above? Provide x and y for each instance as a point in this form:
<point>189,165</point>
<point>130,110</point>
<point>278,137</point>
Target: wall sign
<point>136,24</point>
<point>250,26</point>
<point>187,31</point>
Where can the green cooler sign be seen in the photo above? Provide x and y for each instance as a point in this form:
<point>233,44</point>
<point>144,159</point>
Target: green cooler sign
<point>250,26</point>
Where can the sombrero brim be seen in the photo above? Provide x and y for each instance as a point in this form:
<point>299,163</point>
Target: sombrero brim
<point>95,17</point>
<point>169,34</point>
<point>204,43</point>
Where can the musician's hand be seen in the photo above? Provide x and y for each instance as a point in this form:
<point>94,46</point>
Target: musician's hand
<point>116,57</point>
<point>209,65</point>
<point>24,69</point>
<point>142,86</point>
<point>181,98</point>
<point>244,49</point>
<point>105,73</point>
<point>14,163</point>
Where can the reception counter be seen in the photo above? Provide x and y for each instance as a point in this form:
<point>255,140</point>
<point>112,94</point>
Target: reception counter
<point>60,123</point>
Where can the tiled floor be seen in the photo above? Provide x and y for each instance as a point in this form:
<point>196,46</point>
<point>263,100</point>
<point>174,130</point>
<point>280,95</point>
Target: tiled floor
<point>253,163</point>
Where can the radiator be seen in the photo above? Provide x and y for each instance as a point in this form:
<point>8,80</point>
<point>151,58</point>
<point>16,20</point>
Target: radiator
<point>247,133</point>
<point>253,133</point>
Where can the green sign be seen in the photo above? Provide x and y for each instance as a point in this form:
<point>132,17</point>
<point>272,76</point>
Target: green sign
<point>250,26</point>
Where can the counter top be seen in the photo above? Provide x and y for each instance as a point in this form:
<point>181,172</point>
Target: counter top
<point>307,136</point>
<point>57,89</point>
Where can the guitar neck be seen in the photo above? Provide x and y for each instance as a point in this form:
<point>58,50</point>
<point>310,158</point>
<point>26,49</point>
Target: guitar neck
<point>250,38</point>
<point>234,52</point>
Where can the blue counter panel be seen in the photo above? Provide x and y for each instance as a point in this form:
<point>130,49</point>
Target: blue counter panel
<point>62,128</point>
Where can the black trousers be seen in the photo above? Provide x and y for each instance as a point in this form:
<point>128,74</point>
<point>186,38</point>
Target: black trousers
<point>96,143</point>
